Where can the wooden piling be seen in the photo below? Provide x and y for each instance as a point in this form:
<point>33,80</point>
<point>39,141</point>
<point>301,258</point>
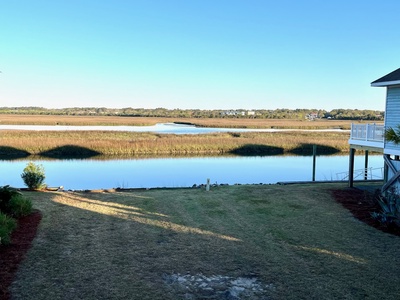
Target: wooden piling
<point>351,167</point>
<point>314,161</point>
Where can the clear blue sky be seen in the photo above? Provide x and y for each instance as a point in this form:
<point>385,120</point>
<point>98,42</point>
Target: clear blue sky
<point>205,54</point>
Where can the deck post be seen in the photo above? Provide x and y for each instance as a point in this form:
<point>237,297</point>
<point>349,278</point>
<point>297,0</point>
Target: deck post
<point>351,167</point>
<point>386,170</point>
<point>366,165</point>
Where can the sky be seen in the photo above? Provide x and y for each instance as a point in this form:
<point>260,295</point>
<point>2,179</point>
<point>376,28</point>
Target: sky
<point>197,54</point>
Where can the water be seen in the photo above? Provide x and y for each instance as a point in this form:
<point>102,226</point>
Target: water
<point>184,172</point>
<point>162,128</point>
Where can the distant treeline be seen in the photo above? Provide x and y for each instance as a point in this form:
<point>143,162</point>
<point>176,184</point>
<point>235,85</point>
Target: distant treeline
<point>297,114</point>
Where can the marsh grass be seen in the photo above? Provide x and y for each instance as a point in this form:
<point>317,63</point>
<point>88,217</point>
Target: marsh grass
<point>75,143</point>
<point>142,121</point>
<point>296,239</point>
<point>16,144</point>
<point>78,120</point>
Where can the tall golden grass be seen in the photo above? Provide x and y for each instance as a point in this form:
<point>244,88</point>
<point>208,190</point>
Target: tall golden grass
<point>141,121</point>
<point>131,144</point>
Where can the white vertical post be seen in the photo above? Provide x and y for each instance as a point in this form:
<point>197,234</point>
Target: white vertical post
<point>208,184</point>
<point>373,137</point>
<point>351,131</point>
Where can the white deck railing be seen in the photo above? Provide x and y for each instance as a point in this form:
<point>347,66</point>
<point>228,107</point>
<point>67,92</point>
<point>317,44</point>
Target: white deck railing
<point>366,174</point>
<point>367,132</point>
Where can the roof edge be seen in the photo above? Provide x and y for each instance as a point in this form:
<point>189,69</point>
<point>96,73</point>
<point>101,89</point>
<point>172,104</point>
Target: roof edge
<point>385,83</point>
<point>393,78</point>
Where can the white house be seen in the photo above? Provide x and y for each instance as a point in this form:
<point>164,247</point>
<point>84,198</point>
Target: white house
<point>371,136</point>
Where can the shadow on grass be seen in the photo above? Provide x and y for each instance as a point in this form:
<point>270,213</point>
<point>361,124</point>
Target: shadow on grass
<point>70,151</point>
<point>11,153</point>
<point>134,213</point>
<point>257,150</point>
<point>307,150</point>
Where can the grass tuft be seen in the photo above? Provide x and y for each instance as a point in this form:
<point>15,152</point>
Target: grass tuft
<point>7,225</point>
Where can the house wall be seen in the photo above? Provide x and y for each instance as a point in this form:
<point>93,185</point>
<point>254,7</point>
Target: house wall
<point>392,117</point>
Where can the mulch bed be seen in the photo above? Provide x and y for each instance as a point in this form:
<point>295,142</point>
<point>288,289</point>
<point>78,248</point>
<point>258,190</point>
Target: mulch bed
<point>361,204</point>
<point>13,254</point>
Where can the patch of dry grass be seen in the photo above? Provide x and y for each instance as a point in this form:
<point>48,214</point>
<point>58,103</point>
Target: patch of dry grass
<point>131,143</point>
<point>78,120</point>
<point>296,239</point>
<point>141,121</point>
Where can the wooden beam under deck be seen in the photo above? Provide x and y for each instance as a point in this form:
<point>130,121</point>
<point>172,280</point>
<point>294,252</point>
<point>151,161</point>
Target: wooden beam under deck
<point>366,148</point>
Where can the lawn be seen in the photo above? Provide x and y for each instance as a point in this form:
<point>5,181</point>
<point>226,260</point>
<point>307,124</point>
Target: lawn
<point>248,242</point>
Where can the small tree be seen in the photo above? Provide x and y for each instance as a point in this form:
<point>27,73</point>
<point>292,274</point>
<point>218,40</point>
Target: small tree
<point>393,135</point>
<point>33,176</point>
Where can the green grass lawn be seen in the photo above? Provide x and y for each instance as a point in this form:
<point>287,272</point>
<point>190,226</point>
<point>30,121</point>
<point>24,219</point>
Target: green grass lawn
<point>295,240</point>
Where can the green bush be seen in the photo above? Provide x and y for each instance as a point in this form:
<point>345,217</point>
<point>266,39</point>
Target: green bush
<point>390,209</point>
<point>7,225</point>
<point>393,135</point>
<point>33,176</point>
<point>6,193</point>
<point>12,204</point>
<point>19,206</point>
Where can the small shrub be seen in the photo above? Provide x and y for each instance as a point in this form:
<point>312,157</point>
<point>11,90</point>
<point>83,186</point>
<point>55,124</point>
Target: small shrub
<point>6,193</point>
<point>7,225</point>
<point>19,206</point>
<point>390,209</point>
<point>33,176</point>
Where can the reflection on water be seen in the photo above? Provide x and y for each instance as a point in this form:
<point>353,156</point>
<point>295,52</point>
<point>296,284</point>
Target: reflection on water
<point>183,172</point>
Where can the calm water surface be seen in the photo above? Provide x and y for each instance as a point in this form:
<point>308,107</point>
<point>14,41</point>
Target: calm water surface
<point>184,172</point>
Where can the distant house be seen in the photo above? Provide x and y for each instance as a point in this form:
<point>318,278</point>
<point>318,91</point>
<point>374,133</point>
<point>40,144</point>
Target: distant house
<point>237,113</point>
<point>312,116</point>
<point>229,113</point>
<point>371,136</point>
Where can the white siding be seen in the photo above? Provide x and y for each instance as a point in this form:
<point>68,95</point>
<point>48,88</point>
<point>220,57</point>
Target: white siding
<point>392,115</point>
